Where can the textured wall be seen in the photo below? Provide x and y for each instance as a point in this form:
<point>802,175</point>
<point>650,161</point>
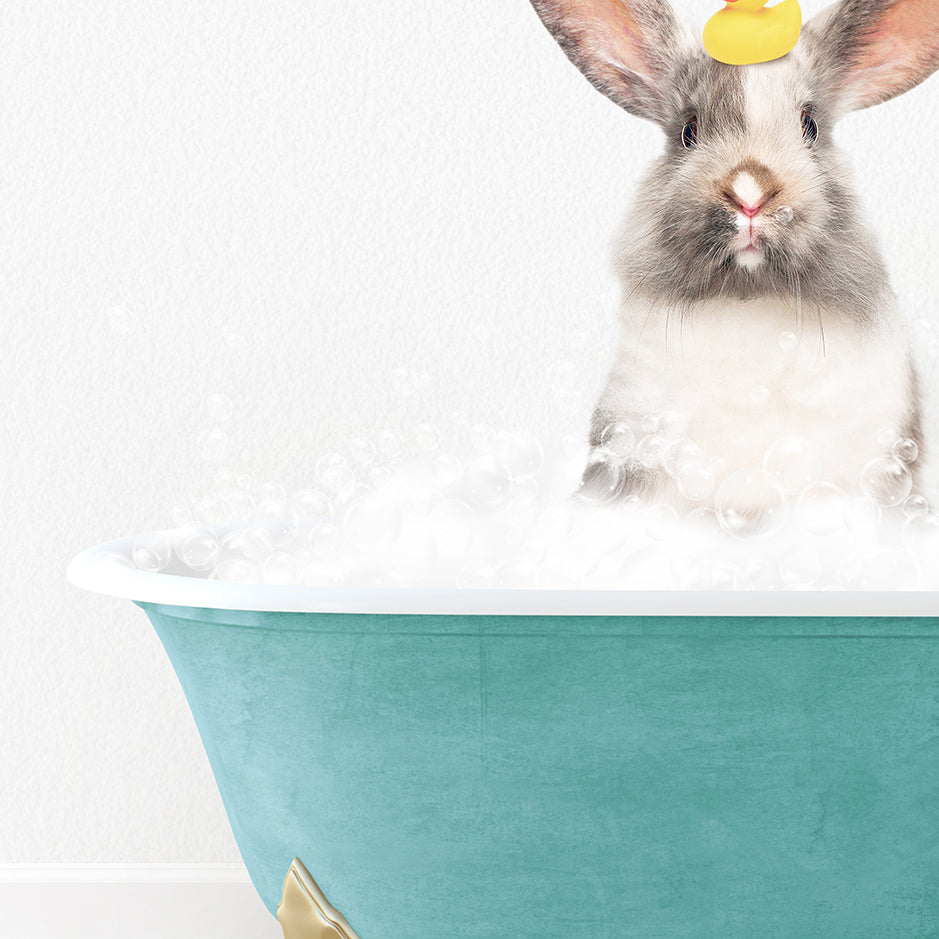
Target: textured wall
<point>282,203</point>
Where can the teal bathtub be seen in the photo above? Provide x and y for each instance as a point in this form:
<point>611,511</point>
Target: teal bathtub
<point>605,764</point>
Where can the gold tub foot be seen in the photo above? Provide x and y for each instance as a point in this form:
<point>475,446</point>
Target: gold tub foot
<point>304,912</point>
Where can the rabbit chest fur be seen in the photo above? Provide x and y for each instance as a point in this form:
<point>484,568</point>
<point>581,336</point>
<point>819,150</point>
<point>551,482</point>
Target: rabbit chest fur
<point>735,376</point>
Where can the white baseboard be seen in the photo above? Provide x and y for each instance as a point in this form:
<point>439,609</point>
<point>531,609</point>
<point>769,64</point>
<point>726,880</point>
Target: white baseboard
<point>131,901</point>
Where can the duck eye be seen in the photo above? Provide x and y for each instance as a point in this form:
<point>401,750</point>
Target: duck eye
<point>689,133</point>
<point>809,127</point>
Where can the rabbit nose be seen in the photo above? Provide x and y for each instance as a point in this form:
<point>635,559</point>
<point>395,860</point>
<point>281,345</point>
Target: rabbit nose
<point>749,187</point>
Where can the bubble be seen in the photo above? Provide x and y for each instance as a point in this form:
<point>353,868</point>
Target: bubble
<point>451,524</point>
<point>800,568</point>
<point>182,516</point>
<point>214,445</point>
<point>119,321</point>
<point>448,470</point>
<point>219,408</point>
<point>404,381</point>
<point>198,548</point>
<point>335,475</point>
<point>649,422</point>
<point>862,517</point>
<point>749,503</point>
<point>905,450</point>
<point>477,577</point>
<point>602,479</point>
<point>241,505</point>
<point>916,507</point>
<point>651,450</point>
<point>427,437</point>
<point>886,481</point>
<point>213,511</point>
<point>672,425</point>
<point>363,451</point>
<point>237,570</point>
<point>759,395</point>
<point>278,568</point>
<point>783,215</point>
<point>372,522</point>
<point>151,552</point>
<point>793,463</point>
<point>482,438</point>
<point>489,481</point>
<point>254,543</point>
<point>391,445</point>
<point>271,510</point>
<point>562,379</point>
<point>887,437</point>
<point>695,481</point>
<point>522,454</point>
<point>788,341</point>
<point>757,574</point>
<point>618,439</point>
<point>309,504</point>
<point>820,509</point>
<point>325,540</point>
<point>680,454</point>
<point>660,522</point>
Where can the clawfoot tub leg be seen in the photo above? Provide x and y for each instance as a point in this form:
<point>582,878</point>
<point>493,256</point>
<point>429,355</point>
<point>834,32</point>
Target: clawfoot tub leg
<point>304,912</point>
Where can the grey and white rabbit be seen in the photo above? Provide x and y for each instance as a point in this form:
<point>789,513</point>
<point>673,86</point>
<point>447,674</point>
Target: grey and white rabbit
<point>756,306</point>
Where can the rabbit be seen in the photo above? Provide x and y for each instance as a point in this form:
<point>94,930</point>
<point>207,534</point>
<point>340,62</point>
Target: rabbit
<point>758,329</point>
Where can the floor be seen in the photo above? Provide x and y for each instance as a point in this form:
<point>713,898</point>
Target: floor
<point>140,911</point>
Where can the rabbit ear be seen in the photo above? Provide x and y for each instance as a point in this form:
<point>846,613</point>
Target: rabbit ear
<point>874,50</point>
<point>625,47</point>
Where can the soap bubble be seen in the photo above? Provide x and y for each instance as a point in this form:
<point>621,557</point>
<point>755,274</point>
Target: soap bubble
<point>618,439</point>
<point>372,522</point>
<point>521,454</point>
<point>800,567</point>
<point>749,503</point>
<point>363,451</point>
<point>886,481</point>
<point>448,470</point>
<point>695,481</point>
<point>887,436</point>
<point>237,570</point>
<point>151,552</point>
<point>562,379</point>
<point>660,522</point>
<point>482,438</point>
<point>391,445</point>
<point>916,507</point>
<point>793,463</point>
<point>862,517</point>
<point>214,445</point>
<point>182,516</point>
<point>651,450</point>
<point>759,395</point>
<point>307,504</point>
<point>427,437</point>
<point>219,408</point>
<point>489,481</point>
<point>278,568</point>
<point>672,425</point>
<point>336,476</point>
<point>783,215</point>
<point>213,511</point>
<point>905,450</point>
<point>241,506</point>
<point>680,454</point>
<point>820,509</point>
<point>602,479</point>
<point>404,381</point>
<point>120,321</point>
<point>198,548</point>
<point>788,341</point>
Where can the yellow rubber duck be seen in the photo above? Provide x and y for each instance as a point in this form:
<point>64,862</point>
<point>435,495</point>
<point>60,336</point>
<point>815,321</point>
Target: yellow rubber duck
<point>744,33</point>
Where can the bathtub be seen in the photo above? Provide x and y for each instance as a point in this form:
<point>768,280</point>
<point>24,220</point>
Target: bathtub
<point>402,764</point>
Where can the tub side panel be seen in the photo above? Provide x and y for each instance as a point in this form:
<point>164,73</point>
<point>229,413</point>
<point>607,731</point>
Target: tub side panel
<point>690,782</point>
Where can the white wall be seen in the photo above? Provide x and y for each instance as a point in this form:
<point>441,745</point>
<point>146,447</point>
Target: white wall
<point>283,203</point>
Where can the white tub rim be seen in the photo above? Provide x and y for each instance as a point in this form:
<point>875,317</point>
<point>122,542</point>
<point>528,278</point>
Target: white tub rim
<point>98,570</point>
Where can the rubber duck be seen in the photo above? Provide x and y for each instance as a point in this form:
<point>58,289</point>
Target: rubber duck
<point>744,33</point>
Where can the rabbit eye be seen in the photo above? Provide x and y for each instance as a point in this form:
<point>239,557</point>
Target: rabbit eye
<point>689,133</point>
<point>809,127</point>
